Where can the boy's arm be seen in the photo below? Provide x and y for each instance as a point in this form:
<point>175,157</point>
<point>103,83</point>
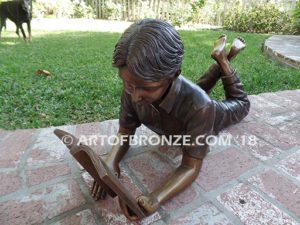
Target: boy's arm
<point>183,177</point>
<point>119,150</point>
<point>113,159</point>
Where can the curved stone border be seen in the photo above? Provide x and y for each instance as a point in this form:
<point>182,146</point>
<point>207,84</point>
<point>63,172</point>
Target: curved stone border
<point>284,48</point>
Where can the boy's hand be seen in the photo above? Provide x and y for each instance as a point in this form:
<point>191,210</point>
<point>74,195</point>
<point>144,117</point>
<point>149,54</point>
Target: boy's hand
<point>149,203</point>
<point>99,192</point>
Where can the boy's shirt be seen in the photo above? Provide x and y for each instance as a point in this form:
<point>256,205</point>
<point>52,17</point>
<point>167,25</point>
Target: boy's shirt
<point>185,110</point>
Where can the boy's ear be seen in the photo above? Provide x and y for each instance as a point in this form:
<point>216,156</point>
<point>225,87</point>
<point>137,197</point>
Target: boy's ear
<point>177,74</point>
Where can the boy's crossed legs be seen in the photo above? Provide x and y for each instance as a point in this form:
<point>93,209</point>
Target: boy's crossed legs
<point>209,79</point>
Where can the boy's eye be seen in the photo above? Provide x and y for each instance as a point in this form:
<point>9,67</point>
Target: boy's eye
<point>149,88</point>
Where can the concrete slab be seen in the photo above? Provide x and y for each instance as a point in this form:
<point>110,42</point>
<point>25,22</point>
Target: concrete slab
<point>285,49</point>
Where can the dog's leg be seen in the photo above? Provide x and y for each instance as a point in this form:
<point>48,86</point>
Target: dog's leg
<point>29,31</point>
<point>2,24</point>
<point>23,32</point>
<point>17,30</point>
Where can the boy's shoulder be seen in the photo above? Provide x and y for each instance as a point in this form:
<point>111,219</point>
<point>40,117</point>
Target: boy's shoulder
<point>192,94</point>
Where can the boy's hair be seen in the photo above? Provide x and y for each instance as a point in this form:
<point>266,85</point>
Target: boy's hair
<point>150,49</point>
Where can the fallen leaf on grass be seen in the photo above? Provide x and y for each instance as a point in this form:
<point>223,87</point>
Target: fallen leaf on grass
<point>43,73</point>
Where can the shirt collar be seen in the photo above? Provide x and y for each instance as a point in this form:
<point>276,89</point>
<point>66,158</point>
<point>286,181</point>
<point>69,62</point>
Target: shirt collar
<point>169,100</point>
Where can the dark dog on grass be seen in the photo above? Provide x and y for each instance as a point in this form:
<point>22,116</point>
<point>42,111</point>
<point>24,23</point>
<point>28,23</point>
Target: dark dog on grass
<point>18,11</point>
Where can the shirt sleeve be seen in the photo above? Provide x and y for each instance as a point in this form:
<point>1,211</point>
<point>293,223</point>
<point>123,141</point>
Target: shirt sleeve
<point>128,117</point>
<point>235,107</point>
<point>199,128</point>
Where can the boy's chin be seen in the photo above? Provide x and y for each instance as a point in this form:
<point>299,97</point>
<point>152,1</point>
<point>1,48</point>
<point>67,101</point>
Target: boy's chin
<point>143,103</point>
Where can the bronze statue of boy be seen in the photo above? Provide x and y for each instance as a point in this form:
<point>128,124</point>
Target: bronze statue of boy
<point>149,56</point>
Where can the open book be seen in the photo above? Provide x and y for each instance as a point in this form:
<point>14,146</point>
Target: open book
<point>97,168</point>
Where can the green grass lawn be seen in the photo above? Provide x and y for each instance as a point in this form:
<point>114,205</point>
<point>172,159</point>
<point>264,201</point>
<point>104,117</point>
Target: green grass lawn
<point>85,88</point>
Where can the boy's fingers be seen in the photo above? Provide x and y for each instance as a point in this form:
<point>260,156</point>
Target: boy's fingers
<point>93,186</point>
<point>103,194</point>
<point>95,190</point>
<point>98,193</point>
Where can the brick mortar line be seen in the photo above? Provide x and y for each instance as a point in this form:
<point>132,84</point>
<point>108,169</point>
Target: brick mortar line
<point>8,170</point>
<point>134,178</point>
<point>248,131</point>
<point>288,176</point>
<point>274,162</point>
<point>24,192</point>
<point>65,214</point>
<point>13,196</point>
<point>45,165</point>
<point>229,214</point>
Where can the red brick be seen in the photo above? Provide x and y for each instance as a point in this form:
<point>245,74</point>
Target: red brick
<point>283,118</point>
<point>40,175</point>
<point>173,153</point>
<point>42,204</point>
<point>222,167</point>
<point>89,134</point>
<point>291,165</point>
<point>150,168</point>
<point>271,135</point>
<point>182,199</point>
<point>254,145</point>
<point>83,217</point>
<point>4,134</point>
<point>16,144</point>
<point>39,157</point>
<point>47,148</point>
<point>11,182</point>
<point>251,208</point>
<point>264,108</point>
<point>88,128</point>
<point>283,102</point>
<point>109,127</point>
<point>279,188</point>
<point>251,115</point>
<point>291,128</point>
<point>205,214</point>
<point>293,95</point>
<point>129,184</point>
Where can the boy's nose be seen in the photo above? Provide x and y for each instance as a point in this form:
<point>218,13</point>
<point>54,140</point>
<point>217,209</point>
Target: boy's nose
<point>136,95</point>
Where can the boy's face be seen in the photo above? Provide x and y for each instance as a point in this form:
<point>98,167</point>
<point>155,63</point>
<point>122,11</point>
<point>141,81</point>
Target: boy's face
<point>141,91</point>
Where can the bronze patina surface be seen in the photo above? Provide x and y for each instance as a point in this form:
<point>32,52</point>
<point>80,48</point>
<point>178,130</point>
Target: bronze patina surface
<point>149,56</point>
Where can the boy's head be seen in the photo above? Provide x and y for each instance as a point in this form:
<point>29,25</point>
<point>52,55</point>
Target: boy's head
<point>150,49</point>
